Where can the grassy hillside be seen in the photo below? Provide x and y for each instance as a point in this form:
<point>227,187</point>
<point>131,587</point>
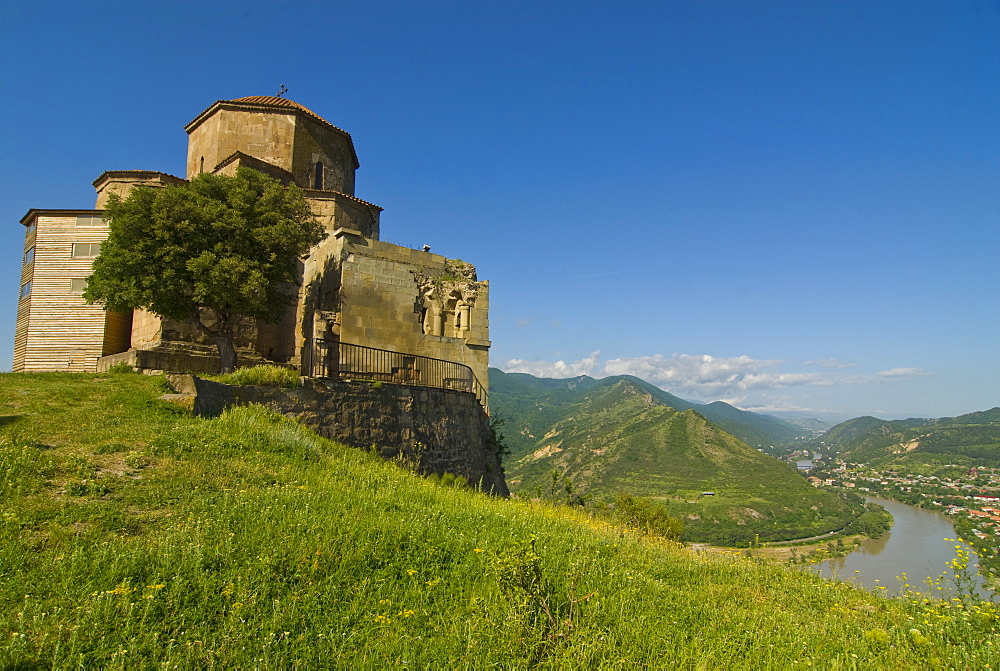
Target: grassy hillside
<point>135,536</point>
<point>971,438</point>
<point>858,428</point>
<point>617,438</point>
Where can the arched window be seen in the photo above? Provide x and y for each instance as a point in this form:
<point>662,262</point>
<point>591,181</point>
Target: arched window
<point>318,177</point>
<point>201,168</point>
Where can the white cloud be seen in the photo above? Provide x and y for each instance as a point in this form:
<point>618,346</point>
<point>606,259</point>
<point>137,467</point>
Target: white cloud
<point>706,376</point>
<point>556,369</point>
<point>829,363</point>
<point>741,381</point>
<point>902,372</point>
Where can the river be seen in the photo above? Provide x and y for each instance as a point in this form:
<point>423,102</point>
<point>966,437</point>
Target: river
<point>915,546</point>
<point>806,464</point>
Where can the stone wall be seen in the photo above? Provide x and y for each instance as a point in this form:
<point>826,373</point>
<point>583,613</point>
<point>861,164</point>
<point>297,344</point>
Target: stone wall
<point>266,135</point>
<point>175,357</point>
<point>337,210</point>
<point>121,183</point>
<point>440,430</point>
<point>394,298</point>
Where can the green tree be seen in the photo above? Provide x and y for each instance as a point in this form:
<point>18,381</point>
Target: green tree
<point>650,517</point>
<point>217,251</point>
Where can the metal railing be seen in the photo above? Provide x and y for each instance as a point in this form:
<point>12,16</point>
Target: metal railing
<point>340,360</point>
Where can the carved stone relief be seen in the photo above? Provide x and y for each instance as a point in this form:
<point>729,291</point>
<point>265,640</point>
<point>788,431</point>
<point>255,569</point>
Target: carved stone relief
<point>446,300</point>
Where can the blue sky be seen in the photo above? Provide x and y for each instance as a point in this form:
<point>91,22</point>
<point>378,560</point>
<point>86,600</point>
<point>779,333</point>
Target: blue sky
<point>791,206</point>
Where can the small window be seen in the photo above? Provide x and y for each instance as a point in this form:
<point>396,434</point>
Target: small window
<point>90,220</point>
<point>86,250</point>
<point>26,289</point>
<point>31,228</point>
<point>29,256</point>
<point>201,166</point>
<point>318,177</point>
<point>78,284</point>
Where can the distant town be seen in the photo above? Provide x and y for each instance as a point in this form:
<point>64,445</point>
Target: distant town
<point>970,494</point>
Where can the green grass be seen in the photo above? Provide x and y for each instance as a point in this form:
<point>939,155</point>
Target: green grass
<point>262,375</point>
<point>134,535</point>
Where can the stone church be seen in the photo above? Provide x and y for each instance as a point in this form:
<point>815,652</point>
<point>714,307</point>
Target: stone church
<point>400,309</point>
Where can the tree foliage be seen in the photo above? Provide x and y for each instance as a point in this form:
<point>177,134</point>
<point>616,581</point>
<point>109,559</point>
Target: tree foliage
<point>647,516</point>
<point>217,251</point>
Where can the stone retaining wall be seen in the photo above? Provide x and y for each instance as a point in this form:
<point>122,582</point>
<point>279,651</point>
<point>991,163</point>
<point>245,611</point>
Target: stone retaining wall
<point>440,430</point>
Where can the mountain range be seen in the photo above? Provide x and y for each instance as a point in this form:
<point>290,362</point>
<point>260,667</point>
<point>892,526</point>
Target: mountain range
<point>620,434</point>
<point>520,391</point>
<point>967,439</point>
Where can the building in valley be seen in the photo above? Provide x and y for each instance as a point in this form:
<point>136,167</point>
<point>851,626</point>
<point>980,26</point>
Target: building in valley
<point>399,309</point>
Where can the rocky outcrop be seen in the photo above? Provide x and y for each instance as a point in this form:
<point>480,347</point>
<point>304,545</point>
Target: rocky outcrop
<point>438,430</point>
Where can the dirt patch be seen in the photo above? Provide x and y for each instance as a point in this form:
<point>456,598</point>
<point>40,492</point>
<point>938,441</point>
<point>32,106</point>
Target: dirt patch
<point>743,515</point>
<point>546,451</point>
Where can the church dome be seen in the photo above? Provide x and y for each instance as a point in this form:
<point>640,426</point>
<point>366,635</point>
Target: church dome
<point>272,105</point>
<point>266,102</point>
<point>275,101</point>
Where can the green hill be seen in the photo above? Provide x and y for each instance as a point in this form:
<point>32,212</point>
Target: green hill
<point>753,429</point>
<point>973,438</point>
<point>852,430</point>
<point>537,402</point>
<point>617,435</point>
<point>991,416</point>
<point>133,535</point>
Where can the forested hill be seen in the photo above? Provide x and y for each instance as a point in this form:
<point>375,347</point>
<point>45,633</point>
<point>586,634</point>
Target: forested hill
<point>606,437</point>
<point>856,429</point>
<point>973,437</point>
<point>515,393</point>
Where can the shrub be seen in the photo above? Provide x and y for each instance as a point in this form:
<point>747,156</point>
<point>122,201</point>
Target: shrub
<point>121,367</point>
<point>647,516</point>
<point>263,376</point>
<point>497,439</point>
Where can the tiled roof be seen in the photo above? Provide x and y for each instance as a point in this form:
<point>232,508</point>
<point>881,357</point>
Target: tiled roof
<point>340,194</point>
<point>137,173</point>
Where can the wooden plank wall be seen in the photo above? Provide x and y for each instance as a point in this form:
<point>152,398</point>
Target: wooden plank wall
<point>62,331</point>
<point>23,305</point>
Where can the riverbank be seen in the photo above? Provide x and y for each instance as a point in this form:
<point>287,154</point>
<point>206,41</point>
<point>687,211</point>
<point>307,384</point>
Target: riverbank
<point>920,553</point>
<point>792,552</point>
<point>873,523</point>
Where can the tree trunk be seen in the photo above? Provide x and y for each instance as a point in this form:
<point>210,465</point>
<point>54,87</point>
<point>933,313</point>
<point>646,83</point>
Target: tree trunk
<point>227,353</point>
<point>222,335</point>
